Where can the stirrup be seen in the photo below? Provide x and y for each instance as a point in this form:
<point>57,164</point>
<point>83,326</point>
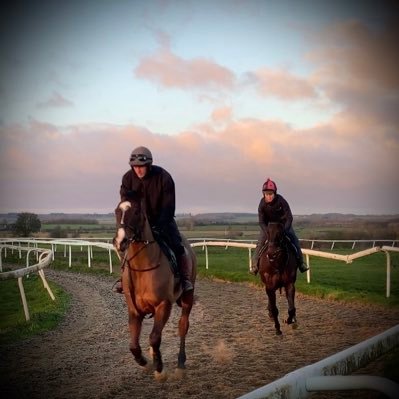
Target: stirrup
<point>254,271</point>
<point>187,285</point>
<point>303,267</point>
<point>117,287</point>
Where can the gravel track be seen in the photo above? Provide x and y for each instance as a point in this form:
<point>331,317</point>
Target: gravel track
<point>231,345</point>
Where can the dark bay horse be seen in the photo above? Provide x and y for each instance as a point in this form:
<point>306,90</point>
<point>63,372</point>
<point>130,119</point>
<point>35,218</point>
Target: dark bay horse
<point>277,269</point>
<point>151,288</point>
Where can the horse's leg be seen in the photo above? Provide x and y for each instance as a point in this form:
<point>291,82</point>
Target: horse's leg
<point>184,323</point>
<point>290,294</point>
<point>135,323</point>
<point>162,313</point>
<point>273,311</point>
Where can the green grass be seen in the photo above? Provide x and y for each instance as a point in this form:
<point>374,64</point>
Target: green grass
<point>363,281</point>
<point>45,314</point>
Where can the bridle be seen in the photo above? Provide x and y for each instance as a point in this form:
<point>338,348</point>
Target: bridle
<point>145,243</point>
<point>280,248</point>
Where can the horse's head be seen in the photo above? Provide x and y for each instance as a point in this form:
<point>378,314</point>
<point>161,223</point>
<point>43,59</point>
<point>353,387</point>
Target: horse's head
<point>136,223</point>
<point>275,240</point>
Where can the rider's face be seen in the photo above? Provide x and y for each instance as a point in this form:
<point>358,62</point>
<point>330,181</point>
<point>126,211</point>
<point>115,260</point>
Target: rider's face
<point>140,171</point>
<point>269,196</point>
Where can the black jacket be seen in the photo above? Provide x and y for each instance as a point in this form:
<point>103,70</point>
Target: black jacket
<point>277,211</point>
<point>157,188</point>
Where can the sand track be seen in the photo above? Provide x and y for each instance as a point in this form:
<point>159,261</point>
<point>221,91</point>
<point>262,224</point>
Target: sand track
<point>231,346</point>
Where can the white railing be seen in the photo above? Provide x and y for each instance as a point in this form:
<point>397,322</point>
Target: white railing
<point>204,243</point>
<point>44,258</point>
<point>307,252</point>
<point>67,244</point>
<point>332,372</point>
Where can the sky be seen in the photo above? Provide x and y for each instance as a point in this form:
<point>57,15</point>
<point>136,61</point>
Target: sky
<point>224,93</point>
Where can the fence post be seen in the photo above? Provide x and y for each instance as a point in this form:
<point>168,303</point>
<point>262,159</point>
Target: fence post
<point>249,258</point>
<point>110,260</point>
<point>23,297</point>
<point>388,274</point>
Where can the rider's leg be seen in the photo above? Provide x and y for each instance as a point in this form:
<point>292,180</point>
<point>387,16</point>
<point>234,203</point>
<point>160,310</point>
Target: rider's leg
<point>184,263</point>
<point>303,267</point>
<point>254,268</point>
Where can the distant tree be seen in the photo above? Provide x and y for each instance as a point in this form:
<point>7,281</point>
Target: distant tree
<point>26,224</point>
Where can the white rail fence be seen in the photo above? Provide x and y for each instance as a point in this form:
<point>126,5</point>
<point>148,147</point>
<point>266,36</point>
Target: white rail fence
<point>205,243</point>
<point>44,258</point>
<point>331,374</point>
<point>307,252</point>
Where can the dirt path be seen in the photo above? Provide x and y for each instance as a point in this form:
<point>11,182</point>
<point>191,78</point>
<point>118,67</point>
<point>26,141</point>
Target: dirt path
<point>231,346</point>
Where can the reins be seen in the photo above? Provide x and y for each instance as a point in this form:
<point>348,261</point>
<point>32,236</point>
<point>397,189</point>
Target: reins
<point>146,243</point>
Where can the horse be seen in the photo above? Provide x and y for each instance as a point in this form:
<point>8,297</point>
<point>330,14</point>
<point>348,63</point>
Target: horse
<point>277,269</point>
<point>151,288</point>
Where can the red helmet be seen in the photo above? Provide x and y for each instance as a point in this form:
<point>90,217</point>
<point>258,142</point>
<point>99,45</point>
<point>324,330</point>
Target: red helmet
<point>269,185</point>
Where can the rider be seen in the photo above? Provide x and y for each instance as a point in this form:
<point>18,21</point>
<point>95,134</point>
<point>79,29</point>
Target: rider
<point>274,208</point>
<point>156,188</point>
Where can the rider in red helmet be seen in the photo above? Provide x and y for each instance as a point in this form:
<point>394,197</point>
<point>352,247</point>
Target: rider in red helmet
<point>274,208</point>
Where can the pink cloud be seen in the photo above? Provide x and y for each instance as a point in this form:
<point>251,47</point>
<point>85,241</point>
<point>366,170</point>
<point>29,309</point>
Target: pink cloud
<point>221,114</point>
<point>169,70</point>
<point>55,101</point>
<point>220,169</point>
<point>282,84</point>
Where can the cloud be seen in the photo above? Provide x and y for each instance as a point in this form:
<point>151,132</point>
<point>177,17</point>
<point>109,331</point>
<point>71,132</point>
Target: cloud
<point>215,168</point>
<point>55,101</point>
<point>221,114</point>
<point>282,84</point>
<point>169,70</point>
<point>356,67</point>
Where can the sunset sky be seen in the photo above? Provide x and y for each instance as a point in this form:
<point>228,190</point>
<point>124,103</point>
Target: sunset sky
<point>224,93</point>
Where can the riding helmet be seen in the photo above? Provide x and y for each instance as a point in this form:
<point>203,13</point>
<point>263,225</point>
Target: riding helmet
<point>140,156</point>
<point>269,185</point>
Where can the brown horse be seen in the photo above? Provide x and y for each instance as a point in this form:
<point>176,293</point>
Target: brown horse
<point>151,288</point>
<point>277,269</point>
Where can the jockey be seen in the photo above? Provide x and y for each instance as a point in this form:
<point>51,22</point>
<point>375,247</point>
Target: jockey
<point>156,188</point>
<point>274,208</point>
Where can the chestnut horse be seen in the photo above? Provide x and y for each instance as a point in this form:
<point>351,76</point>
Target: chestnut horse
<point>277,269</point>
<point>151,288</point>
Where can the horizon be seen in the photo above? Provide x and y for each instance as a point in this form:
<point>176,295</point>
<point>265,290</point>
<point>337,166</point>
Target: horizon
<point>179,214</point>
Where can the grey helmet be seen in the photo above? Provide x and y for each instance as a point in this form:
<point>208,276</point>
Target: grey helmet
<point>140,156</point>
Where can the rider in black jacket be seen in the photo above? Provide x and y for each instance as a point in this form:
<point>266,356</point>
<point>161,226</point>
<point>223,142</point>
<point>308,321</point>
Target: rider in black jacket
<point>155,187</point>
<point>273,208</point>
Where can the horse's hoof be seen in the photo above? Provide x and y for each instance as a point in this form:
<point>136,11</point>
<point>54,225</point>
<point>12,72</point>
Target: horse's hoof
<point>179,374</point>
<point>278,333</point>
<point>160,376</point>
<point>147,368</point>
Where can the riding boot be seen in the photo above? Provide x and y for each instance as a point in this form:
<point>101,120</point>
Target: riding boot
<point>254,268</point>
<point>302,266</point>
<point>186,271</point>
<point>118,286</point>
